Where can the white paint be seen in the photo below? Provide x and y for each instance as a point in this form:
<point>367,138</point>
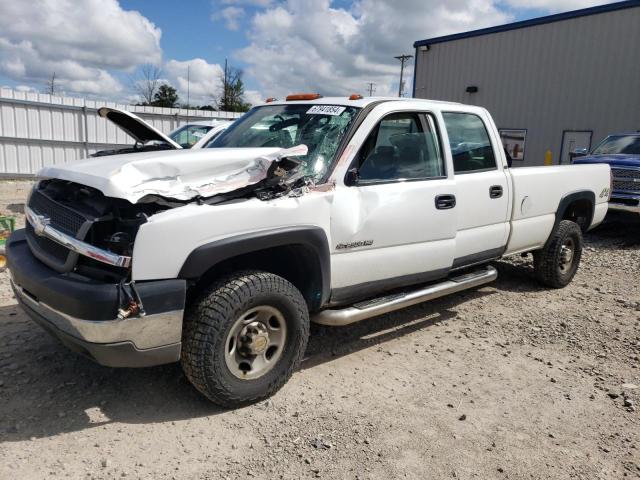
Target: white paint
<point>163,244</point>
<point>211,134</point>
<point>143,133</point>
<point>543,188</point>
<point>482,222</point>
<point>396,225</point>
<point>530,233</point>
<point>409,234</point>
<point>179,175</point>
<point>599,214</point>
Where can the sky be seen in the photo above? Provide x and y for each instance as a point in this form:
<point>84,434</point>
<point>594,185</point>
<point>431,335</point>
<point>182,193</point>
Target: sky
<point>97,47</point>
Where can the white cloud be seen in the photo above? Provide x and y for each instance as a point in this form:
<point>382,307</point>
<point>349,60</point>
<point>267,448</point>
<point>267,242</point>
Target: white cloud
<point>306,45</point>
<point>553,6</point>
<point>79,41</point>
<point>204,79</point>
<point>230,15</point>
<point>253,97</point>
<point>255,3</point>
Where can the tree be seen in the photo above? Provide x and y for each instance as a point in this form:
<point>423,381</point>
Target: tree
<point>231,98</point>
<point>146,83</point>
<point>166,96</point>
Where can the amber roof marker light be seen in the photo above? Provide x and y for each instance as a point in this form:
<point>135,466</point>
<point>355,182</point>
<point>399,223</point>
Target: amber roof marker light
<point>303,96</point>
<point>271,99</point>
<point>356,96</point>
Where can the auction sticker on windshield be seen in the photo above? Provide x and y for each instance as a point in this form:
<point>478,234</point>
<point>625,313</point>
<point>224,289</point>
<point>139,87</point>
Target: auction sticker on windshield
<point>326,110</point>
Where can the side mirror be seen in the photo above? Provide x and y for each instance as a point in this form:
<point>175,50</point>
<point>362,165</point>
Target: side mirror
<point>352,177</point>
<point>579,152</point>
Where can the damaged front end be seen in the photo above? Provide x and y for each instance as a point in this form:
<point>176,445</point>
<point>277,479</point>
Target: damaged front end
<point>71,267</point>
<point>266,177</point>
<point>75,228</point>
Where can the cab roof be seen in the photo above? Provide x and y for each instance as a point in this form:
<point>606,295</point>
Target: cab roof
<point>360,103</point>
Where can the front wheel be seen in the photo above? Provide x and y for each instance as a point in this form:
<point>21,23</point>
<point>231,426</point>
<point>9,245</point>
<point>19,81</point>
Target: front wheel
<point>244,337</point>
<point>557,263</point>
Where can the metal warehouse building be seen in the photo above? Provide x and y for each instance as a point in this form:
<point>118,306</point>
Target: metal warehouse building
<point>552,84</point>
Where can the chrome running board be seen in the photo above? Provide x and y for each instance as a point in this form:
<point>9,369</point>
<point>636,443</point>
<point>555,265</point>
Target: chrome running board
<point>390,303</point>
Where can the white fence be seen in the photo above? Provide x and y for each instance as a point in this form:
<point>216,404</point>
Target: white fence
<point>38,129</point>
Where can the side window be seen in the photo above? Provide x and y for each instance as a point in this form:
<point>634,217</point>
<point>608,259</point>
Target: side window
<point>470,144</point>
<point>403,146</point>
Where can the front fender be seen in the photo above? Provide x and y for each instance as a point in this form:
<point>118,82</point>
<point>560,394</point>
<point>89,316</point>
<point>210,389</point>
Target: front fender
<point>207,256</point>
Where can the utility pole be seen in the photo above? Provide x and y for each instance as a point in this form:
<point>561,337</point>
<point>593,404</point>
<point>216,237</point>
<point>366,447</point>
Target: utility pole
<point>188,96</point>
<point>51,84</point>
<point>403,59</point>
<point>226,88</point>
<point>188,88</point>
<point>371,87</point>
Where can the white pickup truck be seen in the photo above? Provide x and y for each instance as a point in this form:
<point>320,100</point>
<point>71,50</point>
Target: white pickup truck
<point>330,210</point>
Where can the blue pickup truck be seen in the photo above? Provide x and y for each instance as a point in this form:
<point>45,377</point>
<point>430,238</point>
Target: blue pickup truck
<point>622,152</point>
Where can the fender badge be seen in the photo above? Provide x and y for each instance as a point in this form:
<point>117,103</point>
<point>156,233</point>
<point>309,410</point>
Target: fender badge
<point>362,243</point>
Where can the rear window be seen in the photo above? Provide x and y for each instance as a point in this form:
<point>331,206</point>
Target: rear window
<point>470,143</point>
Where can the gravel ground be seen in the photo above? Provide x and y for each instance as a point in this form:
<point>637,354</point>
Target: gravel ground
<point>507,381</point>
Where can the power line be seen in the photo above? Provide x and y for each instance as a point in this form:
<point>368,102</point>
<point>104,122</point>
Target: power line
<point>403,59</point>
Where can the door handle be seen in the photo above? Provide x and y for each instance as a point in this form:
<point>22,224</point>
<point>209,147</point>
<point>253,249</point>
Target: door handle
<point>445,202</point>
<point>495,191</point>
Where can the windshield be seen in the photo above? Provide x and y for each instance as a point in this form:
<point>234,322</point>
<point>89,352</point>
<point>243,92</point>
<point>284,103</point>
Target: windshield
<point>188,135</point>
<point>319,127</point>
<point>619,144</point>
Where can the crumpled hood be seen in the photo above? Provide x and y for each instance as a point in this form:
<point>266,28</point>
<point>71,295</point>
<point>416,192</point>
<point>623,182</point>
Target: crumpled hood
<point>180,175</point>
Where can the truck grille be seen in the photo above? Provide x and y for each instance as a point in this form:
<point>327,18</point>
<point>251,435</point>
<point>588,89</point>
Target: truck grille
<point>626,179</point>
<point>47,247</point>
<point>61,218</point>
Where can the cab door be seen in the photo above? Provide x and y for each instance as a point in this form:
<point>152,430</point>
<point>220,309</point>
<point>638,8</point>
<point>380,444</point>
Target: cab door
<point>483,189</point>
<point>394,222</point>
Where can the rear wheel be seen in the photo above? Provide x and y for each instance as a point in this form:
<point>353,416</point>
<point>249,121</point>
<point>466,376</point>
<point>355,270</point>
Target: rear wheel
<point>244,337</point>
<point>557,263</point>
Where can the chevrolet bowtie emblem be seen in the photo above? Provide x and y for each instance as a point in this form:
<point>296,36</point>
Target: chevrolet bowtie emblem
<point>39,223</point>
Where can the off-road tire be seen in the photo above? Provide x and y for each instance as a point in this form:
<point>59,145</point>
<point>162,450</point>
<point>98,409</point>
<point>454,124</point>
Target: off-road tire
<point>547,262</point>
<point>208,321</point>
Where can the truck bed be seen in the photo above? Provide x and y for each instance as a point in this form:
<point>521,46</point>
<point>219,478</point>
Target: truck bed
<point>537,193</point>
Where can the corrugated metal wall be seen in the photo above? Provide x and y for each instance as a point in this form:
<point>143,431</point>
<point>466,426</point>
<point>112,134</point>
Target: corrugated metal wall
<point>577,74</point>
<point>38,129</point>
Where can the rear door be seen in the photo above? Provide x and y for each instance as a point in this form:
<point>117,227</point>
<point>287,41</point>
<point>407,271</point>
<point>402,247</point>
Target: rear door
<point>482,189</point>
<point>394,224</point>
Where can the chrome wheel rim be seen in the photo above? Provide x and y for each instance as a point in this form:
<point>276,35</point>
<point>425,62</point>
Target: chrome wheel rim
<point>255,342</point>
<point>567,252</point>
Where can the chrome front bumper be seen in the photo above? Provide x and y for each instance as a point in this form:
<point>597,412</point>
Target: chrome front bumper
<point>145,332</point>
<point>82,312</point>
<point>132,342</point>
<point>625,203</point>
